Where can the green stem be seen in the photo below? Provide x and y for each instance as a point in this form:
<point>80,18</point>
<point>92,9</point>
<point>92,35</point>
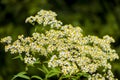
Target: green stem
<point>60,78</point>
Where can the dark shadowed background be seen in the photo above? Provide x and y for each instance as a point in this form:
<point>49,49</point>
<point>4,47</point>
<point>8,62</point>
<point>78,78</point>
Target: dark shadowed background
<point>95,17</point>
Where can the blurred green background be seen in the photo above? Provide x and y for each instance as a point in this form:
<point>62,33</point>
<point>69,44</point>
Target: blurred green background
<point>95,17</point>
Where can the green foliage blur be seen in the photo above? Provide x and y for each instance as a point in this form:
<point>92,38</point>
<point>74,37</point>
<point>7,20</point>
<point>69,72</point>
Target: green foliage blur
<point>95,17</point>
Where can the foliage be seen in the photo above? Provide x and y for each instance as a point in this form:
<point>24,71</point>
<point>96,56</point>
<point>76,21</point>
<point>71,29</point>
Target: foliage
<point>62,51</point>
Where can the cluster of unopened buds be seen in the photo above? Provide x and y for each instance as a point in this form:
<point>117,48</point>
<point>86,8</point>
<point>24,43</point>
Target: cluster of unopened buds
<point>66,47</point>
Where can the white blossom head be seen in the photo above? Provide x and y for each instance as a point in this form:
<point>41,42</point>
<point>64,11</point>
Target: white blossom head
<point>65,47</point>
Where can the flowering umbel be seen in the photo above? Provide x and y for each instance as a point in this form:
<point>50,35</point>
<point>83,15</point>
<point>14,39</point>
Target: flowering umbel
<point>66,47</point>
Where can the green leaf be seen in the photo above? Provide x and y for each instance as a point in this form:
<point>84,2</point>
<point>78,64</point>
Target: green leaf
<point>45,62</point>
<point>53,72</point>
<point>83,74</point>
<point>16,57</point>
<point>21,58</point>
<point>37,77</point>
<point>74,79</point>
<point>80,74</point>
<point>41,70</point>
<point>51,75</point>
<point>66,76</point>
<point>22,75</point>
<point>45,69</point>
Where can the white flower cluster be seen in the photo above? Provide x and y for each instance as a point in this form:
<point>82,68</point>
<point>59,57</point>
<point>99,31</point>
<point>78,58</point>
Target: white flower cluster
<point>7,39</point>
<point>45,18</point>
<point>69,49</point>
<point>29,59</point>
